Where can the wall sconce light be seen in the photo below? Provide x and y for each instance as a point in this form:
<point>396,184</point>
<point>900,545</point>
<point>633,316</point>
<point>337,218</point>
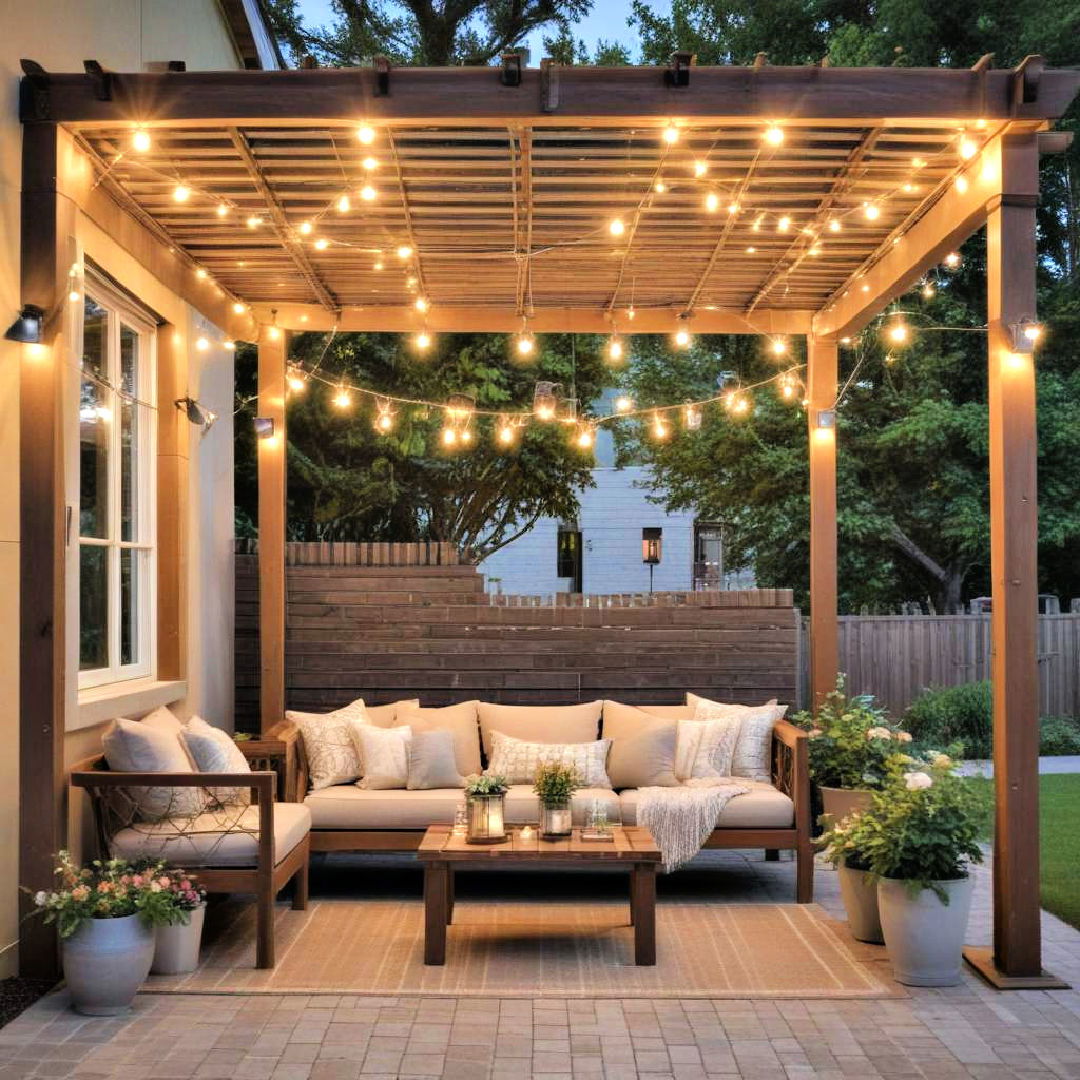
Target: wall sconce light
<point>198,414</point>
<point>651,550</point>
<point>27,327</point>
<point>264,427</point>
<point>1026,334</point>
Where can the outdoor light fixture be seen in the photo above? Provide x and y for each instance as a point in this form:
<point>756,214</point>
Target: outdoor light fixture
<point>198,414</point>
<point>651,550</point>
<point>140,140</point>
<point>774,135</point>
<point>264,427</point>
<point>365,134</point>
<point>423,340</point>
<point>368,193</point>
<point>623,404</point>
<point>616,227</point>
<point>615,348</point>
<point>671,134</point>
<point>692,417</point>
<point>545,401</point>
<point>1026,334</point>
<point>585,437</point>
<point>712,202</point>
<point>952,260</point>
<point>27,327</point>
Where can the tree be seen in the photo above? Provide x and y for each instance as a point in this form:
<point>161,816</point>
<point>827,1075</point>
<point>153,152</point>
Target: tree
<point>419,31</point>
<point>346,481</point>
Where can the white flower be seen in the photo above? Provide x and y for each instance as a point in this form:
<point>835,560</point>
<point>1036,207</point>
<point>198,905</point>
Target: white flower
<point>40,897</point>
<point>904,736</point>
<point>917,781</point>
<point>815,732</point>
<point>878,733</point>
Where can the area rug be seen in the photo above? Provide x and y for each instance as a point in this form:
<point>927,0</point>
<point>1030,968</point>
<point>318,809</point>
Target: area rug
<point>534,949</point>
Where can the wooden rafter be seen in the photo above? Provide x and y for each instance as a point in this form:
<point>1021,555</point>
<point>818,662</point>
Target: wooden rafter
<point>523,215</point>
<point>410,231</point>
<point>280,222</point>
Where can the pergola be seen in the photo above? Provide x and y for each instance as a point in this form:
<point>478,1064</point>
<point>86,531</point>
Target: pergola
<point>763,200</point>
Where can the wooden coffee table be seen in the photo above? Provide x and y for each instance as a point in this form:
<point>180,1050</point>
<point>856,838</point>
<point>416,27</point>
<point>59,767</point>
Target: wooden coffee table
<point>443,853</point>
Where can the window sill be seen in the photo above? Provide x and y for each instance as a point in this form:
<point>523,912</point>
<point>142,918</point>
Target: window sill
<point>100,703</point>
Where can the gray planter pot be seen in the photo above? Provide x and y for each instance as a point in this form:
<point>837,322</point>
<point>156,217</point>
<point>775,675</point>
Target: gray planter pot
<point>924,936</point>
<point>861,904</point>
<point>105,962</point>
<point>841,802</point>
<point>176,948</point>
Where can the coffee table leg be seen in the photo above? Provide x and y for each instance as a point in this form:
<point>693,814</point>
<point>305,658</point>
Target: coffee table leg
<point>436,889</point>
<point>449,895</point>
<point>643,912</point>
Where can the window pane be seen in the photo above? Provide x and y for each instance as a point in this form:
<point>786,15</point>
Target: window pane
<point>95,337</point>
<point>132,566</point>
<point>129,361</point>
<point>93,607</point>
<point>95,415</point>
<point>129,469</point>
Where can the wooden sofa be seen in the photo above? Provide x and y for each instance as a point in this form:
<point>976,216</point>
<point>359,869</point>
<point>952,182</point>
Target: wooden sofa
<point>416,810</point>
<point>257,849</point>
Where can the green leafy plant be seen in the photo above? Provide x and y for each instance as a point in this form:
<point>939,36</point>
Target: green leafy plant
<point>852,740</point>
<point>944,715</point>
<point>923,827</point>
<point>556,783</point>
<point>478,784</point>
<point>1059,735</point>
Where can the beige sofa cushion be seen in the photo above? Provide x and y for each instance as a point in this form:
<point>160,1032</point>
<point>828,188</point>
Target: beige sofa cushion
<point>432,762</point>
<point>349,807</point>
<point>763,807</point>
<point>203,841</point>
<point>642,747</point>
<point>541,723</point>
<point>386,715</point>
<point>460,720</point>
<point>669,712</point>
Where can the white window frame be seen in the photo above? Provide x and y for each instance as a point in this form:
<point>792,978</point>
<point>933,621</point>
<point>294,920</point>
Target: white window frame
<point>121,312</point>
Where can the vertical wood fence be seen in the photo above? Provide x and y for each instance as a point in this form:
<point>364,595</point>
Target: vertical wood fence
<point>894,657</point>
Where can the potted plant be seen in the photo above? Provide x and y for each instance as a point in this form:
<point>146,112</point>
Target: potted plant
<point>106,914</point>
<point>918,839</point>
<point>858,887</point>
<point>176,946</point>
<point>485,798</point>
<point>851,744</point>
<point>555,785</point>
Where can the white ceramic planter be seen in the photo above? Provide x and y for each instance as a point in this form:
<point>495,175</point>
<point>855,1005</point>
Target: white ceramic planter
<point>176,949</point>
<point>105,962</point>
<point>839,803</point>
<point>924,936</point>
<point>861,904</point>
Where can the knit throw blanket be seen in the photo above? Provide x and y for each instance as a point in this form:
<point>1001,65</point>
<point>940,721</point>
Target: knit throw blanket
<point>681,818</point>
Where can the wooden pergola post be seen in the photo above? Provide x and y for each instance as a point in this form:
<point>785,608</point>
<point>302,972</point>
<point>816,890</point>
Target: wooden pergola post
<point>272,476</point>
<point>1016,958</point>
<point>821,418</point>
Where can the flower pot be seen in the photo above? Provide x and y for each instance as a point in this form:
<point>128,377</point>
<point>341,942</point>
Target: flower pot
<point>176,948</point>
<point>487,819</point>
<point>924,936</point>
<point>861,904</point>
<point>105,962</point>
<point>555,818</point>
<point>841,802</point>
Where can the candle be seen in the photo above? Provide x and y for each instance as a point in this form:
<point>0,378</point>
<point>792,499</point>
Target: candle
<point>526,832</point>
<point>495,825</point>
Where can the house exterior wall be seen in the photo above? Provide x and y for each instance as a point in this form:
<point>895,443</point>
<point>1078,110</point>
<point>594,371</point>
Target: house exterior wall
<point>123,35</point>
<point>611,518</point>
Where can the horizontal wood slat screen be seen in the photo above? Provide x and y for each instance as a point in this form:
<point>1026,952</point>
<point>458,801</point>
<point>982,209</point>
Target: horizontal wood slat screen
<point>369,553</point>
<point>432,632</point>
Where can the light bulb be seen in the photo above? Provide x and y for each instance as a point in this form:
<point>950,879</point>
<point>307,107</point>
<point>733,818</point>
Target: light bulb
<point>659,428</point>
<point>525,345</point>
<point>377,264</point>
<point>671,134</point>
<point>712,202</point>
<point>421,304</point>
<point>239,308</point>
<point>898,333</point>
<point>1032,331</point>
<point>229,345</point>
<point>968,148</point>
<point>370,164</point>
<point>365,134</point>
<point>815,249</point>
<point>783,224</point>
<point>404,251</point>
<point>952,260</point>
<point>740,405</point>
<point>273,333</point>
<point>774,135</point>
<point>506,434</point>
<point>423,340</point>
<point>750,250</point>
<point>202,344</point>
<point>733,208</point>
<point>623,404</point>
<point>368,193</point>
<point>787,390</point>
<point>74,295</point>
<point>834,225</point>
<point>778,346</point>
<point>201,274</point>
<point>297,382</point>
<point>630,313</point>
<point>682,337</point>
<point>585,437</point>
<point>700,168</point>
<point>545,412</point>
<point>692,417</point>
<point>659,186</point>
<point>928,290</point>
<point>305,228</point>
<point>918,163</point>
<point>342,399</point>
<point>222,209</point>
<point>871,212</point>
<point>615,349</point>
<point>181,193</point>
<point>140,140</point>
<point>321,244</point>
<point>254,221</point>
<point>466,435</point>
<point>961,184</point>
<point>385,421</point>
<point>616,227</point>
<point>909,187</point>
<point>343,204</point>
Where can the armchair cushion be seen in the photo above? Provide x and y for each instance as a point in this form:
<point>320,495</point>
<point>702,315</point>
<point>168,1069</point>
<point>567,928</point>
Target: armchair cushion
<point>213,750</point>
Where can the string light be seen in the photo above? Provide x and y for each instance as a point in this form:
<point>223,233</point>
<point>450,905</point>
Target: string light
<point>343,204</point>
<point>404,251</point>
<point>899,333</point>
<point>623,404</point>
<point>181,193</point>
<point>918,163</point>
<point>788,386</point>
<point>659,427</point>
<point>202,344</point>
<point>952,260</point>
<point>682,336</point>
<point>201,274</point>
<point>377,264</point>
<point>871,211</point>
<point>370,164</point>
<point>712,202</point>
<point>321,244</point>
<point>968,147</point>
<point>834,225</point>
<point>585,436</point>
<point>545,403</point>
<point>525,344</point>
<point>616,227</point>
<point>700,169</point>
<point>733,208</point>
<point>659,186</point>
<point>465,435</point>
<point>140,140</point>
<point>778,346</point>
<point>737,403</point>
<point>449,436</point>
<point>421,304</point>
<point>74,295</point>
<point>342,398</point>
<point>222,209</point>
<point>961,184</point>
<point>229,345</point>
<point>691,415</point>
<point>423,340</point>
<point>783,223</point>
<point>368,193</point>
<point>928,290</point>
<point>365,134</point>
<point>254,221</point>
<point>615,348</point>
<point>750,250</point>
<point>384,422</point>
<point>305,228</point>
<point>671,134</point>
<point>505,431</point>
<point>773,135</point>
<point>273,333</point>
<point>295,379</point>
<point>239,308</point>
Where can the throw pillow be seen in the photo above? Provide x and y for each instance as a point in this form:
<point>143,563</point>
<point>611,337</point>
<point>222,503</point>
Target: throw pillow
<point>705,748</point>
<point>642,747</point>
<point>432,763</point>
<point>540,723</point>
<point>385,753</point>
<point>214,751</point>
<point>518,761</point>
<point>131,746</point>
<point>460,721</point>
<point>752,758</point>
<point>330,743</point>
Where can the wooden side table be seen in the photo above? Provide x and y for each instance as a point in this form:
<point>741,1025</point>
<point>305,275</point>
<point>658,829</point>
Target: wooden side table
<point>275,752</point>
<point>443,854</point>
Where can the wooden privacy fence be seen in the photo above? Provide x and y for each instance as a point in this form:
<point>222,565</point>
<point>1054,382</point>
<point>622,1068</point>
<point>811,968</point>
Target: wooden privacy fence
<point>361,553</point>
<point>894,657</point>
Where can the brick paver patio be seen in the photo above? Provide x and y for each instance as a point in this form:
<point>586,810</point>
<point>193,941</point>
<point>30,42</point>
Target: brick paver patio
<point>966,1031</point>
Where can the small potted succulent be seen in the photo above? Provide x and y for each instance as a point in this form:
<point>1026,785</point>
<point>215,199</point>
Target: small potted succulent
<point>917,840</point>
<point>555,787</point>
<point>106,914</point>
<point>176,947</point>
<point>485,798</point>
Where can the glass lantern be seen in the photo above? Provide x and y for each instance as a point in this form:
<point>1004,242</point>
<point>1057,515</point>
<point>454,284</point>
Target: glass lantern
<point>555,818</point>
<point>487,819</point>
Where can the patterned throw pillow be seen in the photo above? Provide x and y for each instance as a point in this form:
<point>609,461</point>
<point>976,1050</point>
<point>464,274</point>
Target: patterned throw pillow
<point>753,749</point>
<point>518,760</point>
<point>330,743</point>
<point>385,753</point>
<point>706,748</point>
<point>214,751</point>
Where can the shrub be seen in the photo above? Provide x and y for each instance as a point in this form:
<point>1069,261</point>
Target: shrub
<point>1059,735</point>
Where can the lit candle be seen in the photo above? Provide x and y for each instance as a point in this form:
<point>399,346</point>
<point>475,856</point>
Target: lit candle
<point>526,832</point>
<point>495,825</point>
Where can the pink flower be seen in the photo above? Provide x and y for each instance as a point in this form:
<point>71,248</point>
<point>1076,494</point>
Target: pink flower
<point>137,881</point>
<point>104,886</point>
<point>80,893</point>
<point>164,881</point>
<point>185,884</point>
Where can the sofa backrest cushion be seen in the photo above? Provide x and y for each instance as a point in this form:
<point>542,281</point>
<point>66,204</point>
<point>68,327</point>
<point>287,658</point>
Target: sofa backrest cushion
<point>669,712</point>
<point>460,720</point>
<point>154,746</point>
<point>753,749</point>
<point>642,747</point>
<point>541,723</point>
<point>387,715</point>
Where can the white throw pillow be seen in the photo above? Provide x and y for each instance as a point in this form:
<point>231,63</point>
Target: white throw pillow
<point>706,748</point>
<point>753,749</point>
<point>133,746</point>
<point>385,753</point>
<point>330,744</point>
<point>214,751</point>
<point>518,761</point>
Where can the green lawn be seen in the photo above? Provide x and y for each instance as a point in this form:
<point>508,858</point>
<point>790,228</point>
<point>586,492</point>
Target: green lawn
<point>1060,813</point>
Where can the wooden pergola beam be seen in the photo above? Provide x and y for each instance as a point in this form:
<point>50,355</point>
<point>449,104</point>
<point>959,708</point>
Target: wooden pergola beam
<point>400,320</point>
<point>599,96</point>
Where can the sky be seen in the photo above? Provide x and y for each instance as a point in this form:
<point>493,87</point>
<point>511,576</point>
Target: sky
<point>607,20</point>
